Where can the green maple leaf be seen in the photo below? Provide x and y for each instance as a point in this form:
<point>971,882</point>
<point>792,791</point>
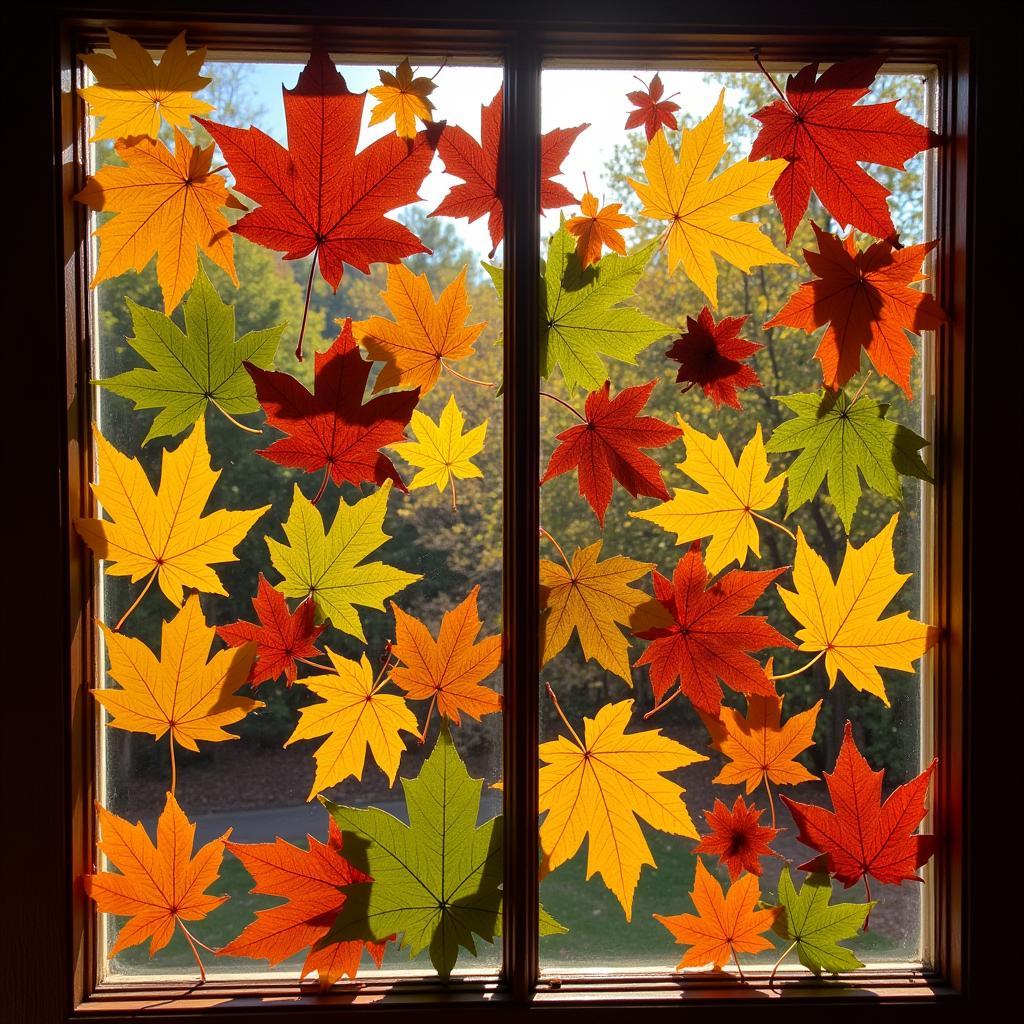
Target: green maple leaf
<point>581,317</point>
<point>197,367</point>
<point>328,565</point>
<point>814,928</point>
<point>844,440</point>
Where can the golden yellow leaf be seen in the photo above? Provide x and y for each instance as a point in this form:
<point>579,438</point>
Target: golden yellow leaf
<point>599,786</point>
<point>354,716</point>
<point>735,492</point>
<point>700,209</point>
<point>133,92</point>
<point>404,97</point>
<point>842,618</point>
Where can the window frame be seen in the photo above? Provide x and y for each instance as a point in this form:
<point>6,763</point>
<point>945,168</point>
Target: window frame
<point>57,979</point>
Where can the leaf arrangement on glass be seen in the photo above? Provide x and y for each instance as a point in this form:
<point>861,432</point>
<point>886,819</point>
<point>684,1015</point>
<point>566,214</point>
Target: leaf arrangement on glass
<point>434,883</point>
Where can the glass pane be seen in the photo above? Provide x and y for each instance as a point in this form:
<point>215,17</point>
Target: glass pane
<point>642,674</point>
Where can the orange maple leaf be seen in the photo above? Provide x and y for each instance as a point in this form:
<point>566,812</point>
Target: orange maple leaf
<point>724,925</point>
<point>596,228</point>
<point>159,886</point>
<point>167,204</point>
<point>447,671</point>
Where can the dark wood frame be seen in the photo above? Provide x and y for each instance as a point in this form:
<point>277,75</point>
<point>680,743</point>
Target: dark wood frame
<point>48,724</point>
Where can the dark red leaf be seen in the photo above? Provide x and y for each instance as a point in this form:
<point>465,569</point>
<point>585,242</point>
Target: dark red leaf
<point>737,837</point>
<point>652,111</point>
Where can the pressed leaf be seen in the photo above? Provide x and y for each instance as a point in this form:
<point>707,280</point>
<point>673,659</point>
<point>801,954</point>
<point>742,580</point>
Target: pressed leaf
<point>595,229</point>
<point>737,837</point>
<point>403,96</point>
<point>653,112</point>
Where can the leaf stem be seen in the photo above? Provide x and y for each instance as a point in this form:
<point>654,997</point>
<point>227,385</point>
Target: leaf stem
<point>778,963</point>
<point>771,522</point>
<point>736,961</point>
<point>867,894</point>
<point>231,419</point>
<point>323,485</point>
<point>566,405</point>
<point>802,668</point>
<point>387,663</point>
<point>174,764</point>
<point>768,75</point>
<point>451,485</point>
<point>441,68</point>
<point>561,715</point>
<point>558,548</point>
<point>305,305</point>
<point>193,941</point>
<point>664,704</point>
<point>771,799</point>
<point>468,380</point>
<point>860,390</point>
<point>313,664</point>
<point>426,724</point>
<point>135,604</point>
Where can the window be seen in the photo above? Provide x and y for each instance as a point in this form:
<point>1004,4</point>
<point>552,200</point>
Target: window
<point>492,540</point>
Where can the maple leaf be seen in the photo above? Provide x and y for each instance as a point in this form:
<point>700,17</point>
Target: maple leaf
<point>181,692</point>
<point>312,881</point>
<point>319,195</point>
<point>593,598</point>
<point>329,566</point>
<point>164,535</point>
<point>607,445</point>
<point>710,637</point>
<point>701,209</point>
<point>652,111</point>
<point>165,204</point>
<point>725,925</point>
<point>133,93</point>
<point>845,440</point>
<point>280,636</point>
<point>437,880</point>
<point>159,886</point>
<point>190,370</point>
<point>447,671</point>
<point>864,836</point>
<point>713,355</point>
<point>842,620</point>
<point>735,493</point>
<point>414,346</point>
<point>814,928</point>
<point>823,137</point>
<point>737,837</point>
<point>866,299</point>
<point>403,97</point>
<point>354,716</point>
<point>599,786</point>
<point>333,429</point>
<point>594,229</point>
<point>481,192</point>
<point>441,451</point>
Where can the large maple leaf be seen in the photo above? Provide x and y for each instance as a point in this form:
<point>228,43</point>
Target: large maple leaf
<point>332,429</point>
<point>599,786</point>
<point>734,493</point>
<point>280,636</point>
<point>737,837</point>
<point>165,204</point>
<point>653,111</point>
<point>481,192</point>
<point>841,619</point>
<point>158,887</point>
<point>725,925</point>
<point>329,566</point>
<point>700,210</point>
<point>865,298</point>
<point>710,638</point>
<point>824,137</point>
<point>314,883</point>
<point>608,446</point>
<point>863,836</point>
<point>164,535</point>
<point>319,195</point>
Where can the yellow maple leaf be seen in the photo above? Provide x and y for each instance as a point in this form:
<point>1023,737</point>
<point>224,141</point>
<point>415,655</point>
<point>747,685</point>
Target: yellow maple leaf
<point>593,598</point>
<point>164,535</point>
<point>166,204</point>
<point>133,92</point>
<point>181,691</point>
<point>727,512</point>
<point>700,209</point>
<point>414,346</point>
<point>595,228</point>
<point>354,716</point>
<point>404,97</point>
<point>599,786</point>
<point>842,620</point>
<point>441,451</point>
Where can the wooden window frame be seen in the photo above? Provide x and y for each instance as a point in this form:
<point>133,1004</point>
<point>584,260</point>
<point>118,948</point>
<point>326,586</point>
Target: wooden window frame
<point>49,723</point>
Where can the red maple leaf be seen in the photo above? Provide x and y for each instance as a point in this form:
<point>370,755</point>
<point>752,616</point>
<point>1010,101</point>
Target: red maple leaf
<point>281,635</point>
<point>825,137</point>
<point>737,837</point>
<point>608,445</point>
<point>711,637</point>
<point>319,195</point>
<point>712,355</point>
<point>478,164</point>
<point>332,429</point>
<point>866,299</point>
<point>652,111</point>
<point>864,836</point>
